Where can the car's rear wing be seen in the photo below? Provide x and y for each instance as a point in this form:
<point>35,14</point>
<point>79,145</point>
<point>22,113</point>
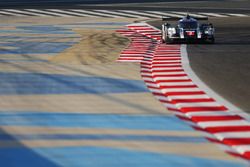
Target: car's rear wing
<point>178,18</point>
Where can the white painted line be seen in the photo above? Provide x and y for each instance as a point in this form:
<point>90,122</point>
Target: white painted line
<point>135,24</point>
<point>166,61</point>
<point>190,14</point>
<point>167,65</point>
<point>161,58</point>
<point>214,14</point>
<point>47,12</point>
<point>189,97</point>
<point>162,51</point>
<point>148,79</point>
<point>89,14</point>
<point>25,12</point>
<point>151,84</point>
<point>166,57</point>
<point>11,14</point>
<point>168,68</point>
<point>166,14</point>
<point>68,12</point>
<point>140,13</point>
<point>223,123</point>
<point>180,90</point>
<point>237,15</point>
<point>169,105</point>
<point>176,84</point>
<point>234,135</point>
<point>116,12</point>
<point>148,31</point>
<point>170,78</point>
<point>209,113</point>
<point>201,104</point>
<point>169,73</point>
<point>106,14</point>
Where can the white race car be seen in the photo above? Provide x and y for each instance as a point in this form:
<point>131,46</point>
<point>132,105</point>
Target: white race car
<point>188,29</point>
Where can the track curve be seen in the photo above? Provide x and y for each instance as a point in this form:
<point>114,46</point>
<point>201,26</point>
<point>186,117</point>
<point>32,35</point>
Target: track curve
<point>164,75</point>
<point>224,66</point>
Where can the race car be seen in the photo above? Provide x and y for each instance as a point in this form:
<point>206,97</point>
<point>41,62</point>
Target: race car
<point>188,29</point>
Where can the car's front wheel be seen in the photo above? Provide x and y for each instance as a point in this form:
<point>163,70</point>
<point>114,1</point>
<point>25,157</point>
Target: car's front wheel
<point>212,40</point>
<point>169,40</point>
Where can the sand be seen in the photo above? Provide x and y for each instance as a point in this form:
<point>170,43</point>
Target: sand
<point>96,47</point>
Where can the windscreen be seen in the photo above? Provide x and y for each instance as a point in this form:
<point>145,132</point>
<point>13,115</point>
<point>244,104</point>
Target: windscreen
<point>188,25</point>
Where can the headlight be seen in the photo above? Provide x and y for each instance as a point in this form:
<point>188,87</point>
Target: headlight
<point>209,31</point>
<point>171,31</point>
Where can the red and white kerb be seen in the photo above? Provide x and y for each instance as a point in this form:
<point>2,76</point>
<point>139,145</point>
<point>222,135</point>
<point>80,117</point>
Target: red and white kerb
<point>162,71</point>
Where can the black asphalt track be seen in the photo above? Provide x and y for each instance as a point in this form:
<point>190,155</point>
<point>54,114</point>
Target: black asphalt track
<point>225,66</point>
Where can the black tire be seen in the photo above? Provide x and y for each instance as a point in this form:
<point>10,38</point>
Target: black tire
<point>169,40</point>
<point>212,40</point>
